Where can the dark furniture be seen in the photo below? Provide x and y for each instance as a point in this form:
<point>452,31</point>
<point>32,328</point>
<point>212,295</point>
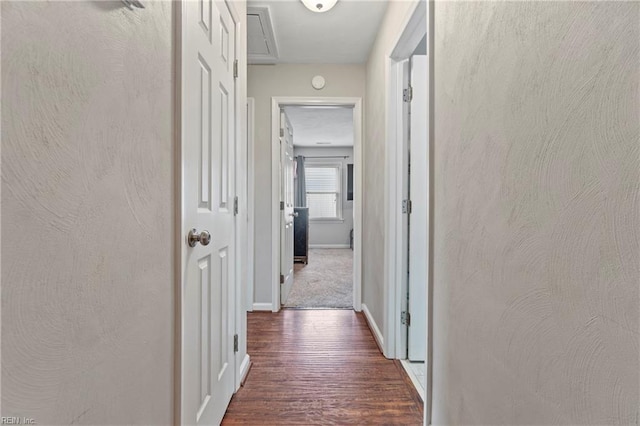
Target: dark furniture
<point>301,235</point>
<point>349,182</point>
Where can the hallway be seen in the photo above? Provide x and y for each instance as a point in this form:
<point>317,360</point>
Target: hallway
<point>320,367</point>
<point>142,146</point>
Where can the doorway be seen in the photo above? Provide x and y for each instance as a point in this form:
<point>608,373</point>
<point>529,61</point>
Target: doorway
<point>325,204</point>
<point>409,171</point>
<point>323,217</point>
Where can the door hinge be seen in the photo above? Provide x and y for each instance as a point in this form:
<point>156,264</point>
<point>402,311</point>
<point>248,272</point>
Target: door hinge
<point>281,279</point>
<point>235,69</point>
<point>282,133</point>
<point>235,206</point>
<point>235,343</point>
<point>281,205</point>
<point>405,317</point>
<point>407,94</point>
<point>406,206</point>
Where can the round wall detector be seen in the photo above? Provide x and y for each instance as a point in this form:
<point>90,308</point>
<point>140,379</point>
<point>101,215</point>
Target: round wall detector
<point>318,82</point>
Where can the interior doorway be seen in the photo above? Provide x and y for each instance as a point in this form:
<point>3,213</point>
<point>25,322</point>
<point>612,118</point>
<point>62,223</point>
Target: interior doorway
<point>408,247</point>
<point>323,214</point>
<point>323,179</point>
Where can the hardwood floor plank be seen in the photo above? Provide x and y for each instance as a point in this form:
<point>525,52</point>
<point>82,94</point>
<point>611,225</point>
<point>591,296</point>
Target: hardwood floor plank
<point>320,367</point>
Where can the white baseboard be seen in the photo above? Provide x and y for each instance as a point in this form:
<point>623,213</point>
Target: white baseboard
<point>377,335</point>
<point>329,246</point>
<point>262,307</point>
<point>244,368</point>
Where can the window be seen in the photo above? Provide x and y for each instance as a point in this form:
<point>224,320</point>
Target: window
<point>323,190</point>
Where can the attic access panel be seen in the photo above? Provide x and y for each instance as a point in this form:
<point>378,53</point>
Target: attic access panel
<point>261,42</point>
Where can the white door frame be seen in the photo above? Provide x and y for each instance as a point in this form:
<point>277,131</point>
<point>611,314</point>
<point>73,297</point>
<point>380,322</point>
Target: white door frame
<point>418,21</point>
<point>244,260</point>
<point>396,239</point>
<point>276,104</point>
<point>251,111</point>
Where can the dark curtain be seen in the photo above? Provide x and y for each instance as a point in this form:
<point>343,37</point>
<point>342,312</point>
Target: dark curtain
<point>300,196</point>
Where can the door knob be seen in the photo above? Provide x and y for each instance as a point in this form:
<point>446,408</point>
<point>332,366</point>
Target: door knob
<point>194,238</point>
<point>295,214</point>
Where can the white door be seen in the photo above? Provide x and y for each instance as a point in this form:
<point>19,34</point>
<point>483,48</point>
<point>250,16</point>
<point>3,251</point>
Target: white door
<point>208,146</point>
<point>418,225</point>
<point>286,203</point>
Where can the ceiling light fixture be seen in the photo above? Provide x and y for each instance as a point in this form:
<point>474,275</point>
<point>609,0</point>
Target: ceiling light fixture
<point>319,5</point>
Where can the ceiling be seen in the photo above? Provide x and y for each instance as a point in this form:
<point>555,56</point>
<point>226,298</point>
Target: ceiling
<point>344,34</point>
<point>321,124</point>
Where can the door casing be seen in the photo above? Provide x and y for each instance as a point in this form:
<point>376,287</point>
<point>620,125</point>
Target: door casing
<point>251,108</point>
<point>418,22</point>
<point>276,104</point>
<point>244,218</point>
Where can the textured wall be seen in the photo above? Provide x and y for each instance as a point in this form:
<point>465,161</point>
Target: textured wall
<point>265,81</point>
<point>87,202</point>
<point>373,259</point>
<point>537,223</point>
<point>332,233</point>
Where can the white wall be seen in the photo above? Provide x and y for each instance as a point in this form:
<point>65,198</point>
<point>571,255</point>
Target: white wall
<point>331,233</point>
<point>375,159</point>
<point>537,213</point>
<point>87,212</point>
<point>264,82</point>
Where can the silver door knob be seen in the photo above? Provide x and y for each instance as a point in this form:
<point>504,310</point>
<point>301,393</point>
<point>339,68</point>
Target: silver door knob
<point>194,238</point>
<point>294,214</point>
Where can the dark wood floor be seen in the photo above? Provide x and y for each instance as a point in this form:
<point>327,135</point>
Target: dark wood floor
<point>320,367</point>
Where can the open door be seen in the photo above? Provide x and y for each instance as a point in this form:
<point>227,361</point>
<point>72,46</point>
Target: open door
<point>207,362</point>
<point>286,207</point>
<point>419,196</point>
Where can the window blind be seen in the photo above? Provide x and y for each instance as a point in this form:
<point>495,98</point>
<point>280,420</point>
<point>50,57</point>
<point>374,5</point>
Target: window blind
<point>323,191</point>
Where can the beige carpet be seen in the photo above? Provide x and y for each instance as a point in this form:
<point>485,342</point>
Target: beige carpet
<point>326,282</point>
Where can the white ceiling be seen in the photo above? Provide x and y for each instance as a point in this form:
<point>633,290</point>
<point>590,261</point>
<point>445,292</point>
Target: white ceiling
<point>321,124</point>
<point>344,34</point>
